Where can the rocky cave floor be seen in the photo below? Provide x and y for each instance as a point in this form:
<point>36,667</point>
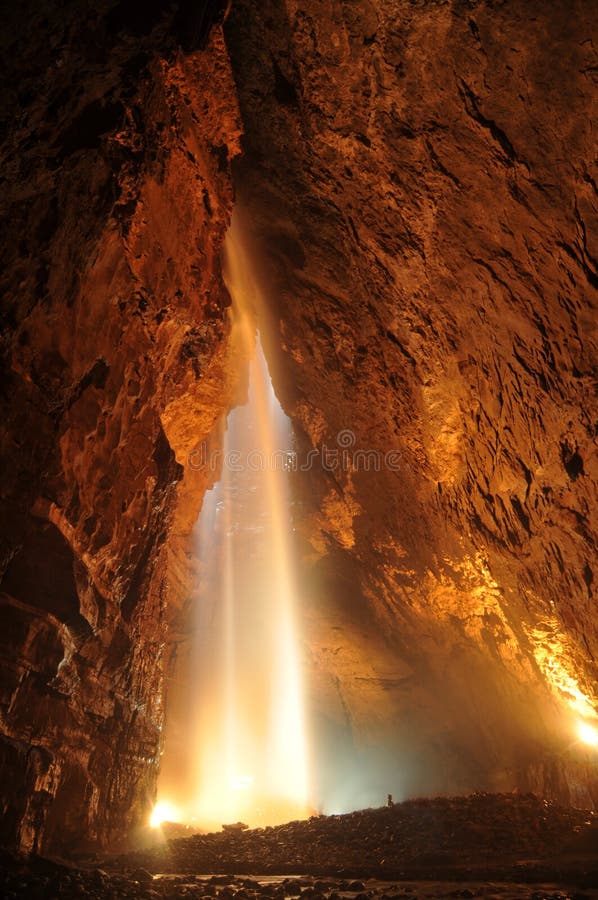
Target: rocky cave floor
<point>487,846</point>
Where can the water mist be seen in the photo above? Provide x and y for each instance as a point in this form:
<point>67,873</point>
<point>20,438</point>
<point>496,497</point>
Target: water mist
<point>247,736</point>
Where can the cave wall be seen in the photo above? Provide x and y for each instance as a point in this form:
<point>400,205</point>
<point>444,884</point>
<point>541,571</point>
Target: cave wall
<point>116,196</point>
<point>419,183</point>
<point>418,186</point>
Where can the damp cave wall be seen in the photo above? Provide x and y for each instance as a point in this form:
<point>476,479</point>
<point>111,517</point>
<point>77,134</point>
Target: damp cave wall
<point>120,120</point>
<point>419,180</point>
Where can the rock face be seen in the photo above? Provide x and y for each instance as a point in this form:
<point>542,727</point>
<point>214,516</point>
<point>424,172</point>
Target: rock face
<point>117,194</point>
<point>419,180</point>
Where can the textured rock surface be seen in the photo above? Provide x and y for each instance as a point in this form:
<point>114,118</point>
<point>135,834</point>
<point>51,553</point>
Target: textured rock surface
<point>503,837</point>
<point>421,180</point>
<point>499,846</point>
<point>117,192</point>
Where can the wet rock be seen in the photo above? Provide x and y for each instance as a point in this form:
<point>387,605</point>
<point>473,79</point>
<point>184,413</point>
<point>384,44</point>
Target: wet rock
<point>412,312</point>
<point>431,836</point>
<point>100,299</point>
<point>142,876</point>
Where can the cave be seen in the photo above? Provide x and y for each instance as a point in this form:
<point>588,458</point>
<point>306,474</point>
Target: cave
<point>408,191</point>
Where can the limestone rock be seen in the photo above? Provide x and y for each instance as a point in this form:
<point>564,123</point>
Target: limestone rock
<point>420,182</point>
<point>117,194</point>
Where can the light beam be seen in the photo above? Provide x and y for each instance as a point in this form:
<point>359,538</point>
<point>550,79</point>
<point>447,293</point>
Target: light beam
<point>249,744</point>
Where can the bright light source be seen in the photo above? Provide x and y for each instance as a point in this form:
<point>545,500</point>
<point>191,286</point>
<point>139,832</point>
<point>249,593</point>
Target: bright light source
<point>163,812</point>
<point>588,734</point>
<point>247,738</point>
<point>240,782</point>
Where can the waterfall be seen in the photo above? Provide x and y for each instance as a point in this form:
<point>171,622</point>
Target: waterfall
<point>248,741</point>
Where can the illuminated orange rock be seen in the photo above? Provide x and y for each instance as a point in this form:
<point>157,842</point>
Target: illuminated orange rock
<point>422,178</point>
<point>113,366</point>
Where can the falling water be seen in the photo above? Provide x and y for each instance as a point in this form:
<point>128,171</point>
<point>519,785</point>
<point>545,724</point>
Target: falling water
<point>250,759</point>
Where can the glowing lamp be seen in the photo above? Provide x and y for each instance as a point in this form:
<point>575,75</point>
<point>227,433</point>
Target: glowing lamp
<point>163,812</point>
<point>588,734</point>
